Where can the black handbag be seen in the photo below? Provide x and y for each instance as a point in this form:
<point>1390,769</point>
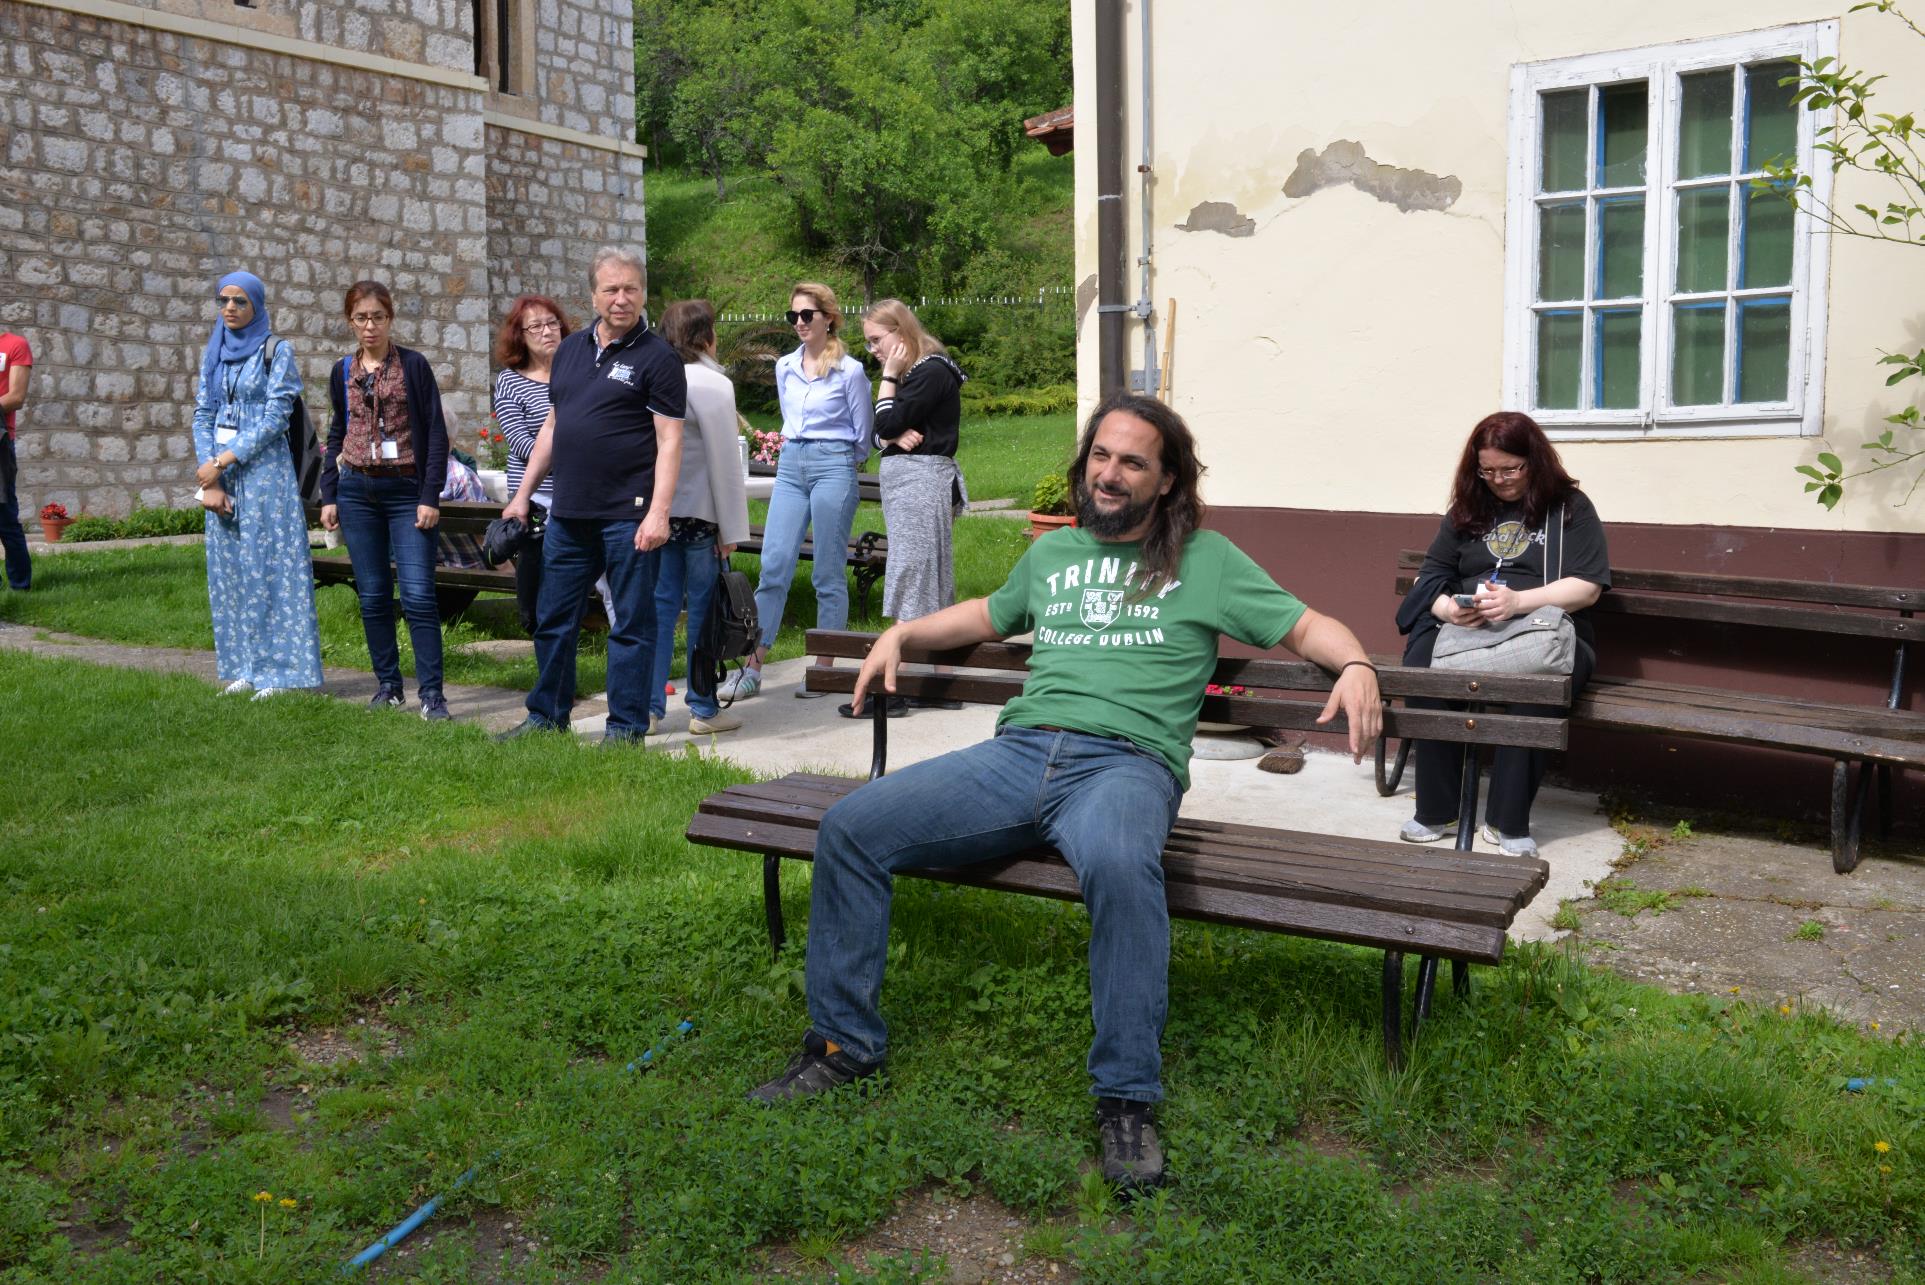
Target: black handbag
<point>302,444</point>
<point>731,633</point>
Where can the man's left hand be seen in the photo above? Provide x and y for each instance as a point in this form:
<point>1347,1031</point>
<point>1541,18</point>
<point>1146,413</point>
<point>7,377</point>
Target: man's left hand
<point>1357,696</point>
<point>652,531</point>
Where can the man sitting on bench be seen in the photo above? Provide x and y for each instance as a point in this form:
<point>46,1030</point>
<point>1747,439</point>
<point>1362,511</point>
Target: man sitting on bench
<point>1092,759</point>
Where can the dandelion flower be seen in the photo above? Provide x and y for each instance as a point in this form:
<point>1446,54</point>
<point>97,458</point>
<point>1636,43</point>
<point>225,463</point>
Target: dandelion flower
<point>1884,1168</point>
<point>262,1197</point>
<point>288,1202</point>
<point>1881,1146</point>
<point>1785,1009</point>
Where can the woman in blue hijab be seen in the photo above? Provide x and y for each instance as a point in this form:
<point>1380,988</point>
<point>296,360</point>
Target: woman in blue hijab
<point>260,584</point>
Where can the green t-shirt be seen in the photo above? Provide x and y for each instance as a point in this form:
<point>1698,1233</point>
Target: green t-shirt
<point>1110,666</point>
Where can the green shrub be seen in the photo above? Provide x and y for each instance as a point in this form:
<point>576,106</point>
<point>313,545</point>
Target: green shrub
<point>139,525</point>
<point>1056,399</point>
<point>85,528</point>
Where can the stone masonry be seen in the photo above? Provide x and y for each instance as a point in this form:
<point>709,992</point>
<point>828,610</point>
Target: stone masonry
<point>140,165</point>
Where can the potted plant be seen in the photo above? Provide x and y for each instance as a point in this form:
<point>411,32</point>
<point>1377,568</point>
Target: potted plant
<point>1049,505</point>
<point>53,521</point>
<point>494,457</point>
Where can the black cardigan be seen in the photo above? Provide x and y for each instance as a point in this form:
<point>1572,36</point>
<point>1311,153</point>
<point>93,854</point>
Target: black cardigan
<point>427,428</point>
<point>928,397</point>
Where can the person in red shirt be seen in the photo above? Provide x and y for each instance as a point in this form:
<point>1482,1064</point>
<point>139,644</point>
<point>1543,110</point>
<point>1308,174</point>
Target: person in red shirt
<point>16,364</point>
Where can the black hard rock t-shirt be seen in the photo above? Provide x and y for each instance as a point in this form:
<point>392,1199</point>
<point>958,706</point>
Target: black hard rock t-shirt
<point>1518,554</point>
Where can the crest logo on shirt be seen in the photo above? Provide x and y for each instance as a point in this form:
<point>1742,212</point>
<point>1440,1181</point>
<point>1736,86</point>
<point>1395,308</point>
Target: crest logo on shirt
<point>623,371</point>
<point>1101,607</point>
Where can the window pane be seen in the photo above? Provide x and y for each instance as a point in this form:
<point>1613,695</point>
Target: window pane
<point>1767,241</point>
<point>1560,357</point>
<point>1621,115</point>
<point>1566,127</point>
<point>1560,251</point>
<point>1704,218</point>
<point>1771,121</point>
<point>1764,350</point>
<point>1616,358</point>
<point>1620,228</point>
<point>1697,354</point>
<point>1704,139</point>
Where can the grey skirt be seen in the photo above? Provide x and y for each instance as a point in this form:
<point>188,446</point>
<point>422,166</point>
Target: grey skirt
<point>918,507</point>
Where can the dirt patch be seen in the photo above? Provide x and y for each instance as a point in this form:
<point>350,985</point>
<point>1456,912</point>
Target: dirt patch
<point>979,1239</point>
<point>1829,1263</point>
<point>500,1249</point>
<point>348,1042</point>
<point>91,1237</point>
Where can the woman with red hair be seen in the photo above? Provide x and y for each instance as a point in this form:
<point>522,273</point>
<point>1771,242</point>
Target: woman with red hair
<point>1519,536</point>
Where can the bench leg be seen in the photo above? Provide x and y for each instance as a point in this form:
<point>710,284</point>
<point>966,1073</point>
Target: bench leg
<point>1847,814</point>
<point>1884,800</point>
<point>772,901</point>
<point>1387,783</point>
<point>1394,1009</point>
<point>1460,978</point>
<point>1426,987</point>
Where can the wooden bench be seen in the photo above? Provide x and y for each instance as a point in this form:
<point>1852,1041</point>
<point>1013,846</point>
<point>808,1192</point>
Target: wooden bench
<point>868,485</point>
<point>1390,896</point>
<point>868,557</point>
<point>1872,739</point>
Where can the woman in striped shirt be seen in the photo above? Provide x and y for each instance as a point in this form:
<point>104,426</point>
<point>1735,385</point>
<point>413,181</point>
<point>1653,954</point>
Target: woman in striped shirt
<point>525,348</point>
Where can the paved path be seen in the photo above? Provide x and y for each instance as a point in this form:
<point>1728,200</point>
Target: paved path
<point>783,734</point>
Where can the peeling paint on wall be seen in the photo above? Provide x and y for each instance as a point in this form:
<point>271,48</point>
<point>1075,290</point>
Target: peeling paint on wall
<point>1346,162</point>
<point>1219,216</point>
<point>1085,297</point>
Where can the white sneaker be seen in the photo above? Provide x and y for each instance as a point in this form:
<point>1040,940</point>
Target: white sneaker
<point>267,692</point>
<point>1511,845</point>
<point>742,684</point>
<point>654,724</point>
<point>239,687</point>
<point>720,721</point>
<point>1416,831</point>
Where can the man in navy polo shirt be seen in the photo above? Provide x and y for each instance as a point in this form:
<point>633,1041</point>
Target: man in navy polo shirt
<point>614,439</point>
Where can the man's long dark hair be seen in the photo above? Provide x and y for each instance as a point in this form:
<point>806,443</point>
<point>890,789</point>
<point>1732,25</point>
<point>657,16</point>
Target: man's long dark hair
<point>1473,507</point>
<point>1180,511</point>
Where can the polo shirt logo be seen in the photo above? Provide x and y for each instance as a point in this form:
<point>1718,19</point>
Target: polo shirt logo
<point>623,371</point>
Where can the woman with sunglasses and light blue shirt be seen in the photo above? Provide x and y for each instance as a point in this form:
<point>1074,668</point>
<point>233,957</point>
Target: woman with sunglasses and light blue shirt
<point>828,427</point>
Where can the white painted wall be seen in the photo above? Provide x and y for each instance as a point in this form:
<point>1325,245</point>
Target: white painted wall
<point>1337,358</point>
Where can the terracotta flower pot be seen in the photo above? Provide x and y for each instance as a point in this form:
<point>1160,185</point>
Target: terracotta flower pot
<point>52,528</point>
<point>1041,522</point>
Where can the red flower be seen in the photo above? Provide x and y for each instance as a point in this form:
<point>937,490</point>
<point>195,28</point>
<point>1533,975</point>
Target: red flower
<point>53,513</point>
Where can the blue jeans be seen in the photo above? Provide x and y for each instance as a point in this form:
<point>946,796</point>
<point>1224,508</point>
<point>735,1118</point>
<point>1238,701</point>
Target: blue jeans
<point>13,539</point>
<point>377,521</point>
<point>574,553</point>
<point>1106,805</point>
<point>815,488</point>
<point>687,570</point>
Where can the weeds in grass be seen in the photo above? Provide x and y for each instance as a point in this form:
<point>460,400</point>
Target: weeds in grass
<point>1810,930</point>
<point>1622,896</point>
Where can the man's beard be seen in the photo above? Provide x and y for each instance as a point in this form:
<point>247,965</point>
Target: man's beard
<point>1109,524</point>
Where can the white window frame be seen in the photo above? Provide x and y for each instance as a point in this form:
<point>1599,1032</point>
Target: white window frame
<point>1659,66</point>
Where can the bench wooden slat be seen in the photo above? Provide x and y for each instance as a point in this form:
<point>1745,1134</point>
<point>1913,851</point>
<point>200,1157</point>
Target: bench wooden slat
<point>1614,692</point>
<point>1769,733</point>
<point>1050,877</point>
<point>1702,582</point>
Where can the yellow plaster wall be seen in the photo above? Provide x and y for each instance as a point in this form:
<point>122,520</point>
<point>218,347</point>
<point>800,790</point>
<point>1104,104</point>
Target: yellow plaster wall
<point>1335,358</point>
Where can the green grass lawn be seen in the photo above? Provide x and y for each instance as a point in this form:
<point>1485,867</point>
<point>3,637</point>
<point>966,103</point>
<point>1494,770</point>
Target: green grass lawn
<point>198,894</point>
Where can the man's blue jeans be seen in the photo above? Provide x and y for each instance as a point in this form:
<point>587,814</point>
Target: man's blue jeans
<point>575,552</point>
<point>1106,805</point>
<point>686,568</point>
<point>815,489</point>
<point>377,521</point>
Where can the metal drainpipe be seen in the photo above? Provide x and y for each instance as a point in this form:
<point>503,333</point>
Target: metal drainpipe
<point>1112,366</point>
<point>1143,310</point>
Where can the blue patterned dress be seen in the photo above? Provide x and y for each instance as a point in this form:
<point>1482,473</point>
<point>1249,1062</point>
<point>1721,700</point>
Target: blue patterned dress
<point>260,582</point>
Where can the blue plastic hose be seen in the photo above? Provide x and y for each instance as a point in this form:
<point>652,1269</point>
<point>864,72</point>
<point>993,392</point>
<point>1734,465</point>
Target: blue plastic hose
<point>407,1225</point>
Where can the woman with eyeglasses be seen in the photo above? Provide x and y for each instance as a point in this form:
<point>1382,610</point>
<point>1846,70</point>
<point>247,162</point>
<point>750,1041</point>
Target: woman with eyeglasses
<point>260,583</point>
<point>381,480</point>
<point>828,425</point>
<point>525,348</point>
<point>1518,536</point>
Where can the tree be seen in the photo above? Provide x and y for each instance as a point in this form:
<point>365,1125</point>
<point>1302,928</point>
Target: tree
<point>1876,143</point>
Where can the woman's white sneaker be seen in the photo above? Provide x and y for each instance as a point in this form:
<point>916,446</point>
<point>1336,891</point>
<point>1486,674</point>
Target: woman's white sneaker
<point>1519,845</point>
<point>239,687</point>
<point>742,684</point>
<point>1416,831</point>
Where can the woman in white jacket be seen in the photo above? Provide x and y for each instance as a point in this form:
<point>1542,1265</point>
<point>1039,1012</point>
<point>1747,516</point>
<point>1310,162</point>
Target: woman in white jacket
<point>710,513</point>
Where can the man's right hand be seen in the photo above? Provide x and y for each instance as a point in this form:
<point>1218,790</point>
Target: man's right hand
<point>884,658</point>
<point>516,508</point>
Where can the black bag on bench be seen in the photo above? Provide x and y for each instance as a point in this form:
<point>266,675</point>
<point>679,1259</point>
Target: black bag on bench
<point>730,633</point>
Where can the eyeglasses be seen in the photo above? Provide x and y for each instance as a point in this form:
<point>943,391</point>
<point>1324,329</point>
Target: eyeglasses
<point>804,315</point>
<point>368,318</point>
<point>1501,474</point>
<point>230,301</point>
<point>540,327</point>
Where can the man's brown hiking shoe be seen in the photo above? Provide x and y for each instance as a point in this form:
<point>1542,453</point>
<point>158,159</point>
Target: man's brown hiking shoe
<point>816,1069</point>
<point>1132,1155</point>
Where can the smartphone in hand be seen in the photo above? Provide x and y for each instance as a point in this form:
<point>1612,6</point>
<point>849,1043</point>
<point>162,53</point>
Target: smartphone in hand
<point>1464,599</point>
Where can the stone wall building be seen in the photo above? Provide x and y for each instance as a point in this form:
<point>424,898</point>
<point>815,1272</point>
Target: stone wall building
<point>462,151</point>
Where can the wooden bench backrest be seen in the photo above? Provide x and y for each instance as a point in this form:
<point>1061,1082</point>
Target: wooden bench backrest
<point>1869,611</point>
<point>1262,704</point>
